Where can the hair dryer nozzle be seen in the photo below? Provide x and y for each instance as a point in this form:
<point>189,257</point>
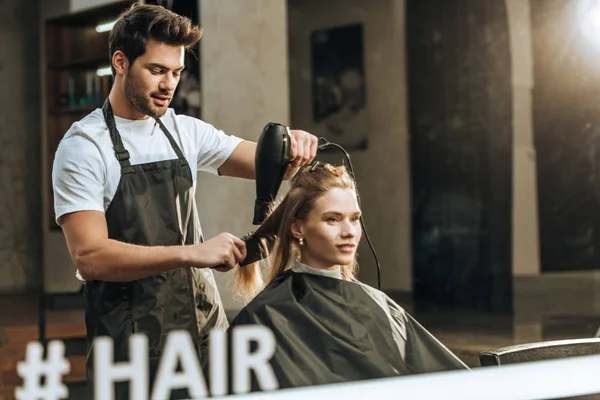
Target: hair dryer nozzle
<point>261,209</point>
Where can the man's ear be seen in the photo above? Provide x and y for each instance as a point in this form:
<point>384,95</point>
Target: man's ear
<point>120,62</point>
<point>297,230</point>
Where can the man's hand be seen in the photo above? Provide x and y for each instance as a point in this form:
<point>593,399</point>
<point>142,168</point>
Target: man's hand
<point>241,163</point>
<point>223,252</point>
<point>303,149</point>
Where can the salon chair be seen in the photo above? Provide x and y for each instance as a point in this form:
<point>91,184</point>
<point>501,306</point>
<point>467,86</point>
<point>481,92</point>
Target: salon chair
<point>539,351</point>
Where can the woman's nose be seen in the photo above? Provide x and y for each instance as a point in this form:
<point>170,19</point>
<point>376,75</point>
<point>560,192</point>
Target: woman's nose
<point>349,229</point>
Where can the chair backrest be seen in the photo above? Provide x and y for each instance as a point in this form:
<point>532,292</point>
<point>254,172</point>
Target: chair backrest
<point>73,335</point>
<point>539,351</point>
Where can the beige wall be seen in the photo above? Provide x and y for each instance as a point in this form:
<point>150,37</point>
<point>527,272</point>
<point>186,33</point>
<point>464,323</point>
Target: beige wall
<point>245,85</point>
<point>382,170</point>
<point>525,230</point>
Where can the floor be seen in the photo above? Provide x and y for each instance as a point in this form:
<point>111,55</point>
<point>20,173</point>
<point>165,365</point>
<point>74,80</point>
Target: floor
<point>553,306</point>
<point>550,307</point>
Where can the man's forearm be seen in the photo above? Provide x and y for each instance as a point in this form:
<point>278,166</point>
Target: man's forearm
<point>116,261</point>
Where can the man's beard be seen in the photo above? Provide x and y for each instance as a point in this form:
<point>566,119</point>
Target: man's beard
<point>138,99</point>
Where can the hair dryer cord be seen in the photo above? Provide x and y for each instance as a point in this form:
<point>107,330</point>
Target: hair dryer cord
<point>325,144</point>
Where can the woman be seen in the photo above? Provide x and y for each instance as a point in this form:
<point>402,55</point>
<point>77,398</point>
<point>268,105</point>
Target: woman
<point>328,326</point>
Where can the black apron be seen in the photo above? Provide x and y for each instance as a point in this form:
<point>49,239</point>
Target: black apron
<point>153,206</point>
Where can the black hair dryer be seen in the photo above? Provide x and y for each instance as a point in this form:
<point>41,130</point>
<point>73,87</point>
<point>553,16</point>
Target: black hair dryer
<point>272,162</point>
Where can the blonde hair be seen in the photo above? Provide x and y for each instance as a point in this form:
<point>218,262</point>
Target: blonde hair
<point>306,186</point>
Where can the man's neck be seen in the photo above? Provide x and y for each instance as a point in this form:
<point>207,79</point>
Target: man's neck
<point>121,107</point>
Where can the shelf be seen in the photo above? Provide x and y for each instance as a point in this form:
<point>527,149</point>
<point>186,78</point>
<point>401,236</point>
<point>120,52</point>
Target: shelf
<point>74,51</point>
<point>89,63</point>
<point>94,15</point>
<point>74,110</point>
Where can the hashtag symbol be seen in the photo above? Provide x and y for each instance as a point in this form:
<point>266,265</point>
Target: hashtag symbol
<point>35,367</point>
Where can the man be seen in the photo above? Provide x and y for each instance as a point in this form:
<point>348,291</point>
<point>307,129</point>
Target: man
<point>124,182</point>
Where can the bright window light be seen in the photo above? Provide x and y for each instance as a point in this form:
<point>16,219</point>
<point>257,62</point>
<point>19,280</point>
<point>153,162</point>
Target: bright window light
<point>590,22</point>
<point>104,71</point>
<point>105,27</point>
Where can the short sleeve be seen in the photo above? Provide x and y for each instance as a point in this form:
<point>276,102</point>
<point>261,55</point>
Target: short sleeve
<point>78,176</point>
<point>214,147</point>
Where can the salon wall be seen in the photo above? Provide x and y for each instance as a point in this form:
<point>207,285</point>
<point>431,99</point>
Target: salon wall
<point>244,67</point>
<point>20,185</point>
<point>382,169</point>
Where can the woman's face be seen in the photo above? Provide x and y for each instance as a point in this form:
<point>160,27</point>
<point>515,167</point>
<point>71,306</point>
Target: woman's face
<point>331,231</point>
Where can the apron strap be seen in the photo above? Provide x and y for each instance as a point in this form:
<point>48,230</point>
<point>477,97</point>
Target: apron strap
<point>174,144</point>
<point>120,151</point>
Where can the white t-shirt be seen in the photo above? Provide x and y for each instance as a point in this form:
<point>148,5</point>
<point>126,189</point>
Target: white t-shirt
<point>86,172</point>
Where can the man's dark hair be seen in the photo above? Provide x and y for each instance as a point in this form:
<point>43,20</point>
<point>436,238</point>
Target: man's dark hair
<point>142,22</point>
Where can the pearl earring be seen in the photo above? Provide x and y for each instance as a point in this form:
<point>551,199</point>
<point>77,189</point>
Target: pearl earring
<point>301,242</point>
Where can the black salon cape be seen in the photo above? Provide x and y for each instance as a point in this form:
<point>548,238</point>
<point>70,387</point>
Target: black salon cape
<point>329,330</point>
